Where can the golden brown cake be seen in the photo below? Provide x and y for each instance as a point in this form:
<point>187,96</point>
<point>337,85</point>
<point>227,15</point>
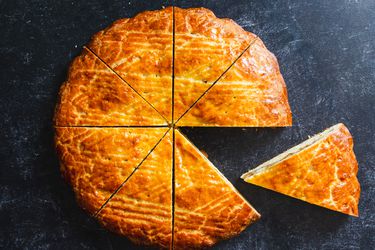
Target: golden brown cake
<point>207,207</point>
<point>140,49</point>
<point>205,46</point>
<point>116,130</point>
<point>252,93</point>
<point>96,161</point>
<point>95,96</point>
<point>142,208</point>
<point>321,171</point>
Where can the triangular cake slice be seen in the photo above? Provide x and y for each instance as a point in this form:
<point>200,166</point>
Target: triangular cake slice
<point>205,47</point>
<point>322,171</point>
<point>95,96</point>
<point>140,49</point>
<point>142,209</point>
<point>252,93</point>
<point>96,161</point>
<point>207,207</point>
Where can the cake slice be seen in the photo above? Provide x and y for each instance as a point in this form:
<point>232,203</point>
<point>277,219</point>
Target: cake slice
<point>140,49</point>
<point>95,96</point>
<point>96,161</point>
<point>142,209</point>
<point>322,171</point>
<point>252,93</point>
<point>205,47</point>
<point>207,207</point>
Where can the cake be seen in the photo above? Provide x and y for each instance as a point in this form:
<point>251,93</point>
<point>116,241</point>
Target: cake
<point>118,116</point>
<point>321,170</point>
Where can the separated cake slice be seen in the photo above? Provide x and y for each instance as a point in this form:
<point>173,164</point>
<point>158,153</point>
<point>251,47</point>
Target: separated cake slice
<point>96,161</point>
<point>140,49</point>
<point>207,207</point>
<point>94,96</point>
<point>252,93</point>
<point>205,47</point>
<point>322,171</point>
<point>142,209</point>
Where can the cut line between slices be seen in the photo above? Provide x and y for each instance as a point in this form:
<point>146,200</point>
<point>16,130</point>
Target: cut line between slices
<point>173,123</point>
<point>173,55</point>
<point>172,126</point>
<point>135,169</point>
<point>218,79</point>
<point>123,80</point>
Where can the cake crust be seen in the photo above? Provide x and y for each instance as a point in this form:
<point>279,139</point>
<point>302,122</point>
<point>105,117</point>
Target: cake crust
<point>207,207</point>
<point>96,161</point>
<point>142,209</point>
<point>140,49</point>
<point>252,93</point>
<point>205,46</point>
<point>323,173</point>
<point>95,96</point>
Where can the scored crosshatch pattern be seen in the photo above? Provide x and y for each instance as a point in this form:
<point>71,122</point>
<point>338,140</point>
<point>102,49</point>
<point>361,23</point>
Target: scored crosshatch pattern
<point>121,65</point>
<point>96,161</point>
<point>139,49</point>
<point>205,46</point>
<point>253,86</point>
<point>323,173</point>
<point>144,202</point>
<point>208,209</point>
<point>93,95</point>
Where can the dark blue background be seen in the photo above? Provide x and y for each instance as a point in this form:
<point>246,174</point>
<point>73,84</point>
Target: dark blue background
<point>326,51</point>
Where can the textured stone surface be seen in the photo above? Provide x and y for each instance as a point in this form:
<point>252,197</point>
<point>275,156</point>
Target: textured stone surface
<point>326,53</point>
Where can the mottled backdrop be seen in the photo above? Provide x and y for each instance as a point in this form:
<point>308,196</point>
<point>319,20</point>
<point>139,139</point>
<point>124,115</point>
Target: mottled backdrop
<point>326,51</point>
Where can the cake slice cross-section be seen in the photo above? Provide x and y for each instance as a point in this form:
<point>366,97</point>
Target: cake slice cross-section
<point>252,93</point>
<point>95,96</point>
<point>142,208</point>
<point>207,207</point>
<point>96,161</point>
<point>322,171</point>
<point>140,49</point>
<point>205,47</point>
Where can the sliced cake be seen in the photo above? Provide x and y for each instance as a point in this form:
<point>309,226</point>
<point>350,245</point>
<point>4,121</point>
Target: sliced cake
<point>140,49</point>
<point>96,161</point>
<point>252,93</point>
<point>142,209</point>
<point>322,171</point>
<point>207,207</point>
<point>205,47</point>
<point>95,96</point>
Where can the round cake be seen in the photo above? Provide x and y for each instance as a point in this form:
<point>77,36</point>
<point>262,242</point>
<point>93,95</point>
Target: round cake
<point>118,116</point>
